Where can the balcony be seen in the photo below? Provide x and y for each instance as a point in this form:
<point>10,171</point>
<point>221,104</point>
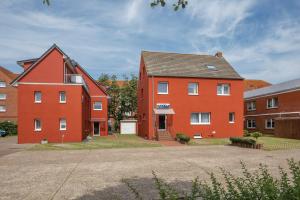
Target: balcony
<point>75,79</point>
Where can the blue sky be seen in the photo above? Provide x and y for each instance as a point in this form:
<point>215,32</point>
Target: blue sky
<point>260,38</point>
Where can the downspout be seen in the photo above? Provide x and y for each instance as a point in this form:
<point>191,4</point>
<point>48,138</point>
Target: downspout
<point>153,114</point>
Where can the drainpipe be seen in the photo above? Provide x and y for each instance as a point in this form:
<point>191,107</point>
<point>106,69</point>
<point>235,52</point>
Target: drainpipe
<point>153,114</point>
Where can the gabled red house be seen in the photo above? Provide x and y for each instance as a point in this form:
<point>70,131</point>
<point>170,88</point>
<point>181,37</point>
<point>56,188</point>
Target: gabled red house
<point>198,95</point>
<point>58,100</point>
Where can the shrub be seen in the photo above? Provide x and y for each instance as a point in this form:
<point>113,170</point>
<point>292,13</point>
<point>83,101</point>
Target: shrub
<point>9,127</point>
<point>256,135</point>
<point>182,138</point>
<point>237,140</point>
<point>246,133</point>
<point>259,184</point>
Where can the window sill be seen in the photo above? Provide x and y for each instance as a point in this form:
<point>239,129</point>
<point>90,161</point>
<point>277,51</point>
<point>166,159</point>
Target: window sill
<point>269,128</point>
<point>193,94</point>
<point>97,109</point>
<point>251,110</point>
<point>2,111</point>
<point>271,108</point>
<point>37,102</point>
<point>62,102</point>
<point>62,129</point>
<point>162,93</point>
<point>251,127</point>
<point>201,124</point>
<point>231,122</point>
<point>38,130</point>
<point>223,94</point>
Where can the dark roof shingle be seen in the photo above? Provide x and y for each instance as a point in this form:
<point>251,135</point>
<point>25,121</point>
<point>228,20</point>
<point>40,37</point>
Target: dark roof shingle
<point>187,65</point>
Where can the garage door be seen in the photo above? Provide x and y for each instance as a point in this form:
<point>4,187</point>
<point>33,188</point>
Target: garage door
<point>128,127</point>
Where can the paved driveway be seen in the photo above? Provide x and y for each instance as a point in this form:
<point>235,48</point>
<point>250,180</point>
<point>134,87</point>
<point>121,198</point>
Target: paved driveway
<point>97,174</point>
<point>9,145</point>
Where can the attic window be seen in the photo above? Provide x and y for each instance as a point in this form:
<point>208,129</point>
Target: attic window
<point>211,67</point>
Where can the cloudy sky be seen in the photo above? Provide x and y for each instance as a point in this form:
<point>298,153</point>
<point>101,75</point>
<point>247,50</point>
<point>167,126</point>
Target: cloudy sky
<point>260,38</point>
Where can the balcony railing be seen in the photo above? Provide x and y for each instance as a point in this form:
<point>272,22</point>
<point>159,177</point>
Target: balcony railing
<point>75,79</point>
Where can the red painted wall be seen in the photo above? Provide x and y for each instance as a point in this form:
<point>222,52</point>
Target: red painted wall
<point>184,104</point>
<point>97,94</point>
<point>50,111</point>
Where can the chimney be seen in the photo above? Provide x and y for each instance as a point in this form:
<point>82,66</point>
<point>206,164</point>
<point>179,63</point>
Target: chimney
<point>219,54</point>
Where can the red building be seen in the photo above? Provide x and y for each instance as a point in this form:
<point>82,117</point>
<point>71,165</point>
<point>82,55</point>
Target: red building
<point>251,84</point>
<point>198,95</point>
<point>274,109</point>
<point>58,100</point>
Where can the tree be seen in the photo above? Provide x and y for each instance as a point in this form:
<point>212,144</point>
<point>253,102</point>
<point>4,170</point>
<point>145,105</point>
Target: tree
<point>104,79</point>
<point>128,95</point>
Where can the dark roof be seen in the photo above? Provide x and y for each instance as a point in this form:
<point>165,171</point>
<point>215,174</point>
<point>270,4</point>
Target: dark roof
<point>251,84</point>
<point>188,65</point>
<point>8,73</point>
<point>273,89</point>
<point>21,62</point>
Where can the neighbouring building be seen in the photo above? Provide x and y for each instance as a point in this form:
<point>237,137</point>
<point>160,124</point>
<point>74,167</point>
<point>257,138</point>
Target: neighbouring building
<point>251,84</point>
<point>8,96</point>
<point>274,109</point>
<point>198,95</point>
<point>58,100</point>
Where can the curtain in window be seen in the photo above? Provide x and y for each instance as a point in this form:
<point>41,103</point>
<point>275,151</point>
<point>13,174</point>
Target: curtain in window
<point>205,117</point>
<point>195,118</point>
<point>226,89</point>
<point>193,87</point>
<point>219,88</point>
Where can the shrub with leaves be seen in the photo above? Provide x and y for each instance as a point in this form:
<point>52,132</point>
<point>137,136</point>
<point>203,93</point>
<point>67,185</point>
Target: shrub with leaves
<point>9,127</point>
<point>182,138</point>
<point>251,185</point>
<point>237,140</point>
<point>256,135</point>
<point>246,133</point>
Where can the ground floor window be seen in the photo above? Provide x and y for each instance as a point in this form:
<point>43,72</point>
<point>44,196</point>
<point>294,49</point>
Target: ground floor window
<point>251,123</point>
<point>270,123</point>
<point>200,118</point>
<point>231,117</point>
<point>37,125</point>
<point>62,124</point>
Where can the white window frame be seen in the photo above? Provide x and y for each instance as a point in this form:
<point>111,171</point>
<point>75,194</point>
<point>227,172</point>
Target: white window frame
<point>4,96</point>
<point>251,127</point>
<point>4,108</point>
<point>272,103</point>
<point>233,117</point>
<point>61,120</point>
<point>35,125</point>
<point>223,85</point>
<point>271,122</point>
<point>35,97</point>
<point>2,84</point>
<point>162,82</point>
<point>197,88</point>
<point>251,106</point>
<point>60,97</point>
<point>200,123</point>
<point>95,104</point>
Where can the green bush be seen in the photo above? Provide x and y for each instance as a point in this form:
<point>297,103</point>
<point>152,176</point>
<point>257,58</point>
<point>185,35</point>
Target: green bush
<point>256,135</point>
<point>237,140</point>
<point>182,138</point>
<point>259,184</point>
<point>9,127</point>
<point>246,133</point>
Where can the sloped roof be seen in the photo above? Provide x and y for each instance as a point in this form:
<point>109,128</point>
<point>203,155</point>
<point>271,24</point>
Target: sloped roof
<point>251,84</point>
<point>8,73</point>
<point>187,65</point>
<point>276,88</point>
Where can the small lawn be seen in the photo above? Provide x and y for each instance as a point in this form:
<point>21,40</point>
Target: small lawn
<point>269,142</point>
<point>115,141</point>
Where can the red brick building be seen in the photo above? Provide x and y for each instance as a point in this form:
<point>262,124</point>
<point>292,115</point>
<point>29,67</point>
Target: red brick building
<point>198,95</point>
<point>8,96</point>
<point>58,100</point>
<point>251,84</point>
<point>268,109</point>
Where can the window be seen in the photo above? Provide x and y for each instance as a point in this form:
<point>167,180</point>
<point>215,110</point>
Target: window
<point>2,109</point>
<point>231,117</point>
<point>37,97</point>
<point>193,89</point>
<point>270,123</point>
<point>223,89</point>
<point>162,88</point>
<point>2,96</point>
<point>97,105</point>
<point>200,118</point>
<point>251,123</point>
<point>251,105</point>
<point>272,103</point>
<point>62,124</point>
<point>2,84</point>
<point>62,97</point>
<point>37,125</point>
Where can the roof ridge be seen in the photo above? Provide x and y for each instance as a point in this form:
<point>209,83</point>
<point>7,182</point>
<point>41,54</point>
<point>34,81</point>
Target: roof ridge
<point>194,54</point>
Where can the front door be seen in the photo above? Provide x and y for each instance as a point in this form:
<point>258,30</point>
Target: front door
<point>161,122</point>
<point>97,128</point>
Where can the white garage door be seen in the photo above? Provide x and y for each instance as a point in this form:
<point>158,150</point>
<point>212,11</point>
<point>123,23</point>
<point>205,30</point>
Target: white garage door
<point>128,127</point>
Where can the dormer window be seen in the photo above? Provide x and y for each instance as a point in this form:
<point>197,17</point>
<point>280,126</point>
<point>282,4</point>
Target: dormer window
<point>211,67</point>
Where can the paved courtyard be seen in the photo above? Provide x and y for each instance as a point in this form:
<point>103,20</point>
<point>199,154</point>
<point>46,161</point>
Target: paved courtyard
<point>97,174</point>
